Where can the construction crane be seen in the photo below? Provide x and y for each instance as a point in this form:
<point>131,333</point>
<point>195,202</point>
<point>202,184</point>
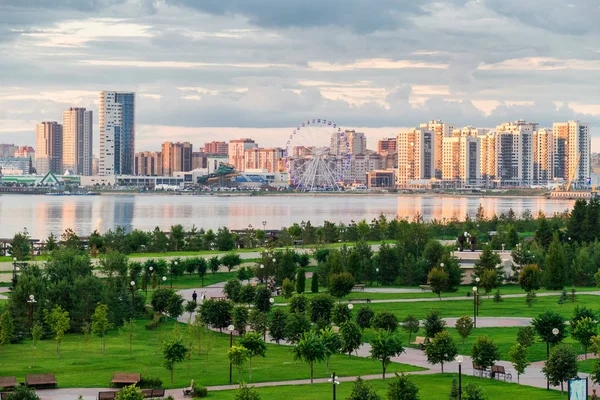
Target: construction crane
<point>567,187</point>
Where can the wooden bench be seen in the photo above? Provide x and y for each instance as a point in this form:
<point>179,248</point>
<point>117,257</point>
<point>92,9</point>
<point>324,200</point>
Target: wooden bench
<point>498,370</point>
<point>107,395</point>
<point>8,382</point>
<point>425,288</point>
<point>358,288</point>
<point>480,370</point>
<point>46,381</point>
<point>189,390</point>
<point>359,300</point>
<point>419,341</point>
<point>153,393</point>
<point>125,378</point>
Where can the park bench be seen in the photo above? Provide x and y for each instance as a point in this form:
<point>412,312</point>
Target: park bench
<point>153,393</point>
<point>425,288</point>
<point>107,395</point>
<point>359,300</point>
<point>45,381</point>
<point>8,382</point>
<point>479,370</point>
<point>219,298</point>
<point>188,390</point>
<point>498,370</point>
<point>419,341</point>
<point>358,288</point>
<point>125,378</point>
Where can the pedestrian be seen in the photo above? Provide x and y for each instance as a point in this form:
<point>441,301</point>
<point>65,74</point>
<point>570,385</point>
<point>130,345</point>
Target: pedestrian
<point>194,296</point>
<point>594,396</point>
<point>203,296</point>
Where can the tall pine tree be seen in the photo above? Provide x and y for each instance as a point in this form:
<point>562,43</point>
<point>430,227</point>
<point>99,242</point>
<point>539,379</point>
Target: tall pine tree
<point>555,272</point>
<point>576,223</point>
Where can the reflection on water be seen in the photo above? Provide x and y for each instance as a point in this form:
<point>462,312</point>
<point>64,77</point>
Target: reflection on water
<point>44,214</point>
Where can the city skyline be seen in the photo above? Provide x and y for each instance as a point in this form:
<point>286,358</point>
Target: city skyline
<point>395,67</point>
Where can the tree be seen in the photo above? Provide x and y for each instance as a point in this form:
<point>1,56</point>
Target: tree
<point>545,323</point>
<point>411,325</point>
<point>100,324</point>
<point>530,298</point>
<point>498,297</point>
<point>463,326</point>
<point>224,240</point>
<point>314,284</point>
<point>332,343</point>
<point>287,288</point>
<point>277,325</point>
<point>128,329</point>
<point>474,392</point>
<point>237,356</point>
<point>484,352</point>
<point>385,320</point>
<point>7,328</point>
<point>240,318</point>
<point>176,238</point>
<point>583,331</point>
<point>214,264</point>
<point>543,233</point>
<point>320,308</point>
<point>384,346</point>
<point>488,260</point>
<point>246,393</point>
<point>310,349</point>
<point>577,219</point>
<point>454,392</point>
<point>37,332</point>
<point>256,346</point>
<point>489,280</point>
<point>561,366</point>
<point>259,321</point>
<point>59,322</point>
<point>340,313</point>
<point>262,299</point>
<point>518,358</point>
<point>175,306</point>
<point>232,289</point>
<point>216,313</point>
<point>174,351</point>
<point>351,337</point>
<point>441,349</point>
<point>300,281</point>
<point>433,323</point>
<point>131,392</point>
<point>438,280</point>
<point>22,392</point>
<point>530,277</point>
<point>362,390</point>
<point>231,260</point>
<point>298,303</point>
<point>364,316</point>
<point>20,247</point>
<point>402,388</point>
<point>340,284</point>
<point>296,325</point>
<point>526,336</point>
<point>554,273</point>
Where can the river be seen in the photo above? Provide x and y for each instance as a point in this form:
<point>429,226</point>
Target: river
<point>44,214</point>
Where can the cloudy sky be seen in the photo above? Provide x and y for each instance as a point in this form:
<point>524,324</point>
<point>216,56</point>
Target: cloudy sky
<point>218,69</point>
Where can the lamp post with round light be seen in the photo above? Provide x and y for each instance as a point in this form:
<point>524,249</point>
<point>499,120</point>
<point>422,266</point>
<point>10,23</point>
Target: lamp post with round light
<point>173,266</point>
<point>153,278</point>
<point>31,301</point>
<point>474,306</point>
<point>132,284</point>
<point>334,382</point>
<point>230,328</point>
<point>262,273</point>
<point>555,332</point>
<point>477,280</point>
<point>459,359</point>
<point>276,271</point>
<point>377,275</point>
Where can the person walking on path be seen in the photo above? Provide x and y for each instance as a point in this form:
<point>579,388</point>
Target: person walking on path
<point>194,296</point>
<point>594,395</point>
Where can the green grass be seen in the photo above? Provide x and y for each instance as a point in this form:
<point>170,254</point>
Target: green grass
<point>71,371</point>
<point>431,387</point>
<point>587,365</point>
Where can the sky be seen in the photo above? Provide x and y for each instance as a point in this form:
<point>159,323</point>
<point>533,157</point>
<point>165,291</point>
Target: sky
<point>208,70</point>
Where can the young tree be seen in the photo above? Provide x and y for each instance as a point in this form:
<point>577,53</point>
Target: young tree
<point>278,324</point>
<point>561,366</point>
<point>320,308</point>
<point>364,316</point>
<point>246,393</point>
<point>340,314</point>
<point>583,331</point>
<point>37,332</point>
<point>287,288</point>
<point>240,318</point>
<point>310,349</point>
<point>530,298</point>
<point>484,352</point>
<point>385,320</point>
<point>128,329</point>
<point>175,306</point>
<point>174,351</point>
<point>300,281</point>
<point>433,323</point>
<point>314,284</point>
<point>256,346</point>
<point>100,324</point>
<point>402,388</point>
<point>361,390</point>
<point>439,281</point>
<point>526,336</point>
<point>262,299</point>
<point>196,331</point>
<point>214,264</point>
<point>441,349</point>
<point>351,337</point>
<point>298,303</point>
<point>384,346</point>
<point>530,278</point>
<point>259,322</point>
<point>463,326</point>
<point>411,325</point>
<point>131,392</point>
<point>7,329</point>
<point>22,392</point>
<point>518,358</point>
<point>554,272</point>
<point>332,343</point>
<point>20,247</point>
<point>296,325</point>
<point>488,260</point>
<point>544,325</point>
<point>59,322</point>
<point>231,260</point>
<point>474,392</point>
<point>454,392</point>
<point>340,284</point>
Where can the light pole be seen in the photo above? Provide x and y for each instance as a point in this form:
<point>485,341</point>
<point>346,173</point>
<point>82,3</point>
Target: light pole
<point>477,280</point>
<point>276,271</point>
<point>334,382</point>
<point>377,275</point>
<point>15,269</point>
<point>164,279</point>
<point>174,265</point>
<point>474,306</point>
<point>230,328</point>
<point>442,266</point>
<point>264,223</point>
<point>151,269</point>
<point>262,272</point>
<point>555,332</point>
<point>31,301</point>
<point>132,283</point>
<point>459,360</point>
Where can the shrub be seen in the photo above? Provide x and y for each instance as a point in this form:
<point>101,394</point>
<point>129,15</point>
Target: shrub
<point>148,382</point>
<point>200,392</point>
<point>341,284</point>
<point>385,320</point>
<point>288,288</point>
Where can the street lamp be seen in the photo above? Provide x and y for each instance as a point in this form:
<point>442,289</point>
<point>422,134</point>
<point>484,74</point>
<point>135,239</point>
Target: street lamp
<point>175,263</point>
<point>276,270</point>
<point>477,280</point>
<point>264,223</point>
<point>459,360</point>
<point>230,328</point>
<point>334,382</point>
<point>350,307</point>
<point>164,279</point>
<point>475,306</point>
<point>262,272</point>
<point>151,269</point>
<point>271,300</point>
<point>132,283</point>
<point>15,269</point>
<point>555,332</point>
<point>31,301</point>
<point>442,266</point>
<point>377,275</point>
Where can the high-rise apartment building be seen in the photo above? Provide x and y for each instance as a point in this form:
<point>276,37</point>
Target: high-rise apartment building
<point>48,145</point>
<point>348,142</point>
<point>543,156</point>
<point>237,150</point>
<point>461,161</point>
<point>7,150</point>
<point>415,156</point>
<point>148,163</point>
<point>117,133</point>
<point>216,148</point>
<point>572,142</point>
<point>440,131</point>
<point>514,149</point>
<point>386,146</point>
<point>25,152</point>
<point>269,160</point>
<point>77,141</point>
<point>487,158</point>
<point>176,157</point>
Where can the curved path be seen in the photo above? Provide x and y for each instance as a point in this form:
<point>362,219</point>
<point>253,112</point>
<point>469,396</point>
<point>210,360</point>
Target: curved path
<point>494,322</point>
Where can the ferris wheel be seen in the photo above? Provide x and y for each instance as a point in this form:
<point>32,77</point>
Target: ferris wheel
<point>317,156</point>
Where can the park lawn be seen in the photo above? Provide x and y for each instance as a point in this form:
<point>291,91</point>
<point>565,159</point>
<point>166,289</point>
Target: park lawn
<point>431,387</point>
<point>71,371</point>
<point>510,307</point>
<point>586,366</point>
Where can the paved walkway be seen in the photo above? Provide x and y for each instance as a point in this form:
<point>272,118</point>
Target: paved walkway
<point>494,322</point>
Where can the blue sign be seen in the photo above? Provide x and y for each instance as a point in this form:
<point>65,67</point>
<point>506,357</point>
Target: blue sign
<point>578,389</point>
